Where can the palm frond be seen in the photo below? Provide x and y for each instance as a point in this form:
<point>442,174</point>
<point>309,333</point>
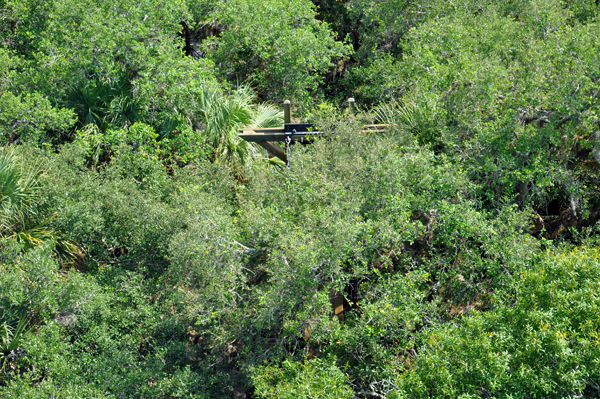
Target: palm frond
<point>22,218</point>
<point>19,191</point>
<point>12,328</point>
<point>224,115</point>
<point>103,103</point>
<point>11,335</point>
<point>276,162</point>
<point>396,113</point>
<point>267,115</point>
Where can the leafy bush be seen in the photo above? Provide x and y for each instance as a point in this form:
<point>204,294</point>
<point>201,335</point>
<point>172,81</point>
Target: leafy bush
<point>503,108</point>
<point>302,380</point>
<point>284,52</point>
<point>102,145</point>
<point>90,338</point>
<point>540,340</point>
<point>31,117</point>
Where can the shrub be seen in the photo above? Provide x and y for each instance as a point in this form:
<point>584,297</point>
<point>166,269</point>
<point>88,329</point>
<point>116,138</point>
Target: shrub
<point>301,380</point>
<point>539,340</point>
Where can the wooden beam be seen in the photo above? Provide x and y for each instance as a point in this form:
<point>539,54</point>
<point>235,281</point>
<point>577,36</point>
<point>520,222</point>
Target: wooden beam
<point>273,134</point>
<point>273,150</point>
<point>379,127</point>
<point>258,135</point>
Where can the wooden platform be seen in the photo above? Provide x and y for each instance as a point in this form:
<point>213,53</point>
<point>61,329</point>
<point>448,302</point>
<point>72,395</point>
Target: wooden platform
<point>265,136</point>
<point>279,134</point>
<point>273,134</point>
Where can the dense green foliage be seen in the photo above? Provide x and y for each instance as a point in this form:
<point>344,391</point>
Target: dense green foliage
<point>147,251</point>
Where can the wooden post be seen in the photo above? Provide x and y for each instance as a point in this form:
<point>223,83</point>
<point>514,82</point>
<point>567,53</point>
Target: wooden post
<point>337,303</point>
<point>287,112</point>
<point>273,150</point>
<point>352,104</point>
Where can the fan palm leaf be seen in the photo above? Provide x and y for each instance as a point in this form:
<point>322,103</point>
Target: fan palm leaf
<point>19,192</point>
<point>223,116</point>
<point>103,103</point>
<point>21,217</point>
<point>267,115</point>
<point>87,104</point>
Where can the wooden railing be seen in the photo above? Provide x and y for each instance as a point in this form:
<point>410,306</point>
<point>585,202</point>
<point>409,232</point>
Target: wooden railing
<point>291,132</point>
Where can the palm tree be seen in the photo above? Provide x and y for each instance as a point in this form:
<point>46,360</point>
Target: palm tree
<point>22,218</point>
<point>223,116</point>
<point>105,103</point>
<point>19,194</point>
<point>13,325</point>
<point>402,115</point>
<point>412,117</point>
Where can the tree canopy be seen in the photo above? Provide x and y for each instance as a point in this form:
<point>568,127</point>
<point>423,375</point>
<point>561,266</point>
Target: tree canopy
<point>147,251</point>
